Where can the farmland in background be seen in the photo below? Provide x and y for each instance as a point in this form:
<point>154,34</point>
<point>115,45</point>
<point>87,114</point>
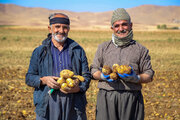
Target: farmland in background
<point>161,97</point>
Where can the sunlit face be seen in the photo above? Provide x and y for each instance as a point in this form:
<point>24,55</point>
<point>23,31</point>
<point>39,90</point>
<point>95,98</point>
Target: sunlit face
<point>121,28</point>
<point>59,32</point>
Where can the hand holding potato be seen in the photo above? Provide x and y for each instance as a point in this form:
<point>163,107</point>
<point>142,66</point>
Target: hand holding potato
<point>69,83</point>
<point>113,74</point>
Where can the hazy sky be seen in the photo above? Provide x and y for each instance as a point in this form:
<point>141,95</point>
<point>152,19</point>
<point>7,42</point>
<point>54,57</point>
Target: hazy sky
<point>89,5</point>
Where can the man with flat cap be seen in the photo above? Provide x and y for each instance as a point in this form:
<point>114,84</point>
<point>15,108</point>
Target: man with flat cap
<point>121,99</point>
<point>58,52</point>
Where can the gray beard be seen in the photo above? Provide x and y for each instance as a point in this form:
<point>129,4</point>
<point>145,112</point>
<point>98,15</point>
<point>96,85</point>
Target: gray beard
<point>59,40</point>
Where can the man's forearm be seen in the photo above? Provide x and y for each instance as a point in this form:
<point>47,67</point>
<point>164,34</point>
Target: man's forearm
<point>97,75</point>
<point>145,78</point>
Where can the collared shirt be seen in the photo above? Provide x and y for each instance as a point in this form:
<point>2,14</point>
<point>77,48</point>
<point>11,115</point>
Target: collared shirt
<point>61,59</point>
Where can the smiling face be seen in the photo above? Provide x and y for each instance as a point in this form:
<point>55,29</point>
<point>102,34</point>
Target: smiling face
<point>121,28</point>
<point>59,31</point>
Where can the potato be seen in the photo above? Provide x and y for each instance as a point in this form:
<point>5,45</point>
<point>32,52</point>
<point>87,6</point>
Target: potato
<point>71,84</point>
<point>114,67</point>
<point>124,69</point>
<point>64,86</point>
<point>66,73</point>
<point>120,69</point>
<point>114,76</point>
<point>61,80</point>
<point>127,69</point>
<point>106,70</point>
<point>80,78</point>
<point>76,81</point>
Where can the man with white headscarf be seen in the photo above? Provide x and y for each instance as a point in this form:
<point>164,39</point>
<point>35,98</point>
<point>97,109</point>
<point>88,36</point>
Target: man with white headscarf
<point>121,99</point>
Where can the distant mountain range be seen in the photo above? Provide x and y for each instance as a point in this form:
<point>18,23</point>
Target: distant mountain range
<point>145,15</point>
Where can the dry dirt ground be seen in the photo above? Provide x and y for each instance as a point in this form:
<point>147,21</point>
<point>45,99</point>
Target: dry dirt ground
<point>161,97</point>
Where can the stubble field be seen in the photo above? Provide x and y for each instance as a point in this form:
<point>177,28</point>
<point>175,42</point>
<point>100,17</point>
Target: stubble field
<point>161,97</point>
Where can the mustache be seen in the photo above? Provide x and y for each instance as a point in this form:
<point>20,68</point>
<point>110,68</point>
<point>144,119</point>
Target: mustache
<point>122,31</point>
<point>58,33</point>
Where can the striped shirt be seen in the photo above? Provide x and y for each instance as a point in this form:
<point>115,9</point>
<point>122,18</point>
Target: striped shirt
<point>61,59</point>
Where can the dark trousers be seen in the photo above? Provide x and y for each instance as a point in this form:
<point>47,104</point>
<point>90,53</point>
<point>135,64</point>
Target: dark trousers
<point>119,105</point>
<point>61,107</point>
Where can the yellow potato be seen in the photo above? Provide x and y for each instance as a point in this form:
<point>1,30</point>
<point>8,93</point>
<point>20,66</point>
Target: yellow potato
<point>127,69</point>
<point>71,84</point>
<point>76,81</point>
<point>114,76</point>
<point>66,73</point>
<point>114,67</point>
<point>80,78</point>
<point>68,80</point>
<point>124,69</point>
<point>120,70</point>
<point>61,80</point>
<point>64,86</point>
<point>106,70</point>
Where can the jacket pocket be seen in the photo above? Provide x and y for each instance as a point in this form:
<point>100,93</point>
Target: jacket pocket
<point>38,95</point>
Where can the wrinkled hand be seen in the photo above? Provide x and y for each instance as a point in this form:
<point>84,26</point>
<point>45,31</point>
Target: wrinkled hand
<point>50,81</point>
<point>106,78</point>
<point>133,78</point>
<point>75,89</point>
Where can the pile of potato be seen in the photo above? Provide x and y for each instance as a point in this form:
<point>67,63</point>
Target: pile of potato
<point>68,79</point>
<point>121,69</point>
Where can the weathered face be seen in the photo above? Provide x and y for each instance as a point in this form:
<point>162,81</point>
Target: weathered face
<point>121,28</point>
<point>59,31</point>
